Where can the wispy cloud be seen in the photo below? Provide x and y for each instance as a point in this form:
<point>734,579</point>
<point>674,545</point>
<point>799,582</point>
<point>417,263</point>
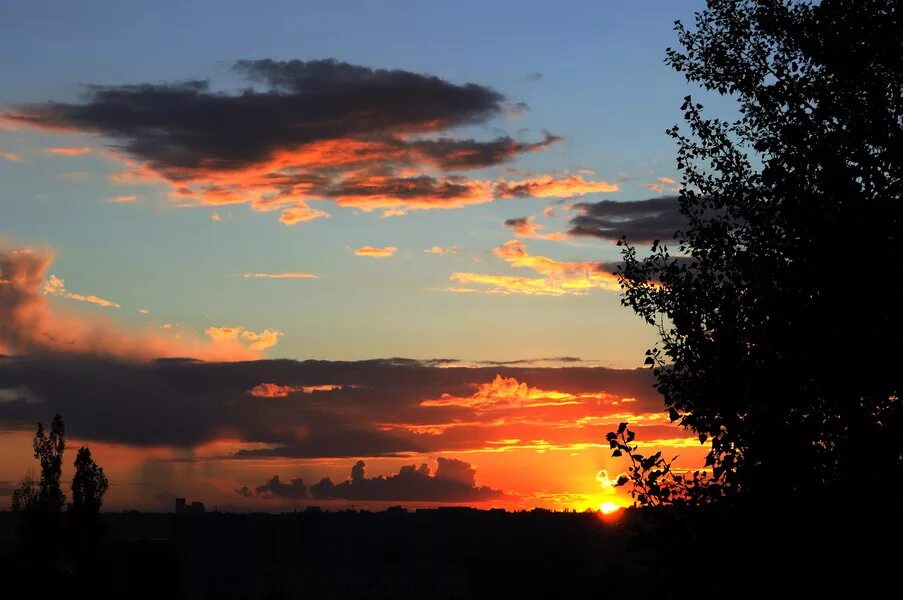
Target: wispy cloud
<point>54,286</point>
<point>286,275</point>
<point>525,227</point>
<point>376,251</point>
<point>440,250</point>
<point>10,156</point>
<point>66,151</point>
<point>559,278</point>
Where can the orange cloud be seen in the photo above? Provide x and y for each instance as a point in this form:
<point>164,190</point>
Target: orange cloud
<point>69,151</point>
<point>124,199</point>
<point>558,277</point>
<point>256,342</point>
<point>440,250</point>
<point>54,286</point>
<point>662,185</point>
<point>29,325</point>
<point>525,227</point>
<point>508,393</point>
<point>376,252</point>
<point>10,156</point>
<point>290,275</point>
<point>300,213</point>
<point>546,186</point>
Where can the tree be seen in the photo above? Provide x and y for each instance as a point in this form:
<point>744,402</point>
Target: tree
<point>48,449</point>
<point>777,313</point>
<point>24,496</point>
<point>89,484</point>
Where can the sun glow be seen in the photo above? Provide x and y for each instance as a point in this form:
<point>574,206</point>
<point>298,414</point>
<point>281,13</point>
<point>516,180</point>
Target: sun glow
<point>608,508</point>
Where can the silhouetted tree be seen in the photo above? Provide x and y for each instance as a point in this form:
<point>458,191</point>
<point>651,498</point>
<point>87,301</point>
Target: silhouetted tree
<point>89,484</point>
<point>24,496</point>
<point>778,314</point>
<point>48,449</point>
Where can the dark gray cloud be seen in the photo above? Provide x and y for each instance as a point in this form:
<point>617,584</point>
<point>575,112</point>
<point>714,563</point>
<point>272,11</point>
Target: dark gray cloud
<point>294,490</point>
<point>374,410</point>
<point>454,481</point>
<point>189,125</point>
<point>640,220</point>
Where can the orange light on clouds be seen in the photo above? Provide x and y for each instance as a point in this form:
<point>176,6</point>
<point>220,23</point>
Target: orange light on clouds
<point>559,277</point>
<point>287,275</point>
<point>64,151</point>
<point>376,252</point>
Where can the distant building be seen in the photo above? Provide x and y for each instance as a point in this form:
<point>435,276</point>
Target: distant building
<point>182,507</point>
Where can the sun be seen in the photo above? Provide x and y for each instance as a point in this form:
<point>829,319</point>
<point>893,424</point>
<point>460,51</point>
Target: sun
<point>608,508</point>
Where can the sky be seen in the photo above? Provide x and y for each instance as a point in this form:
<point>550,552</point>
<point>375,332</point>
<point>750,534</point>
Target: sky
<point>383,232</point>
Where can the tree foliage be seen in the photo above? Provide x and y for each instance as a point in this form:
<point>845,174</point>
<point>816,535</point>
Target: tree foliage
<point>89,484</point>
<point>776,304</point>
<point>653,480</point>
<point>49,449</point>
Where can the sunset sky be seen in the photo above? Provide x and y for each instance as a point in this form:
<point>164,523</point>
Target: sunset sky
<point>293,195</point>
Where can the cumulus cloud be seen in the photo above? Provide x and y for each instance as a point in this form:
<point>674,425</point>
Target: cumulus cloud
<point>508,393</point>
<point>454,481</point>
<point>29,325</point>
<point>304,131</point>
<point>640,220</point>
<point>256,342</point>
<point>558,278</point>
<point>274,488</point>
<point>376,251</point>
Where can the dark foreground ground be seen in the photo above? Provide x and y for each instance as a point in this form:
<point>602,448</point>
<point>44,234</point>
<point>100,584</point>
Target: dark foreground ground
<point>466,553</point>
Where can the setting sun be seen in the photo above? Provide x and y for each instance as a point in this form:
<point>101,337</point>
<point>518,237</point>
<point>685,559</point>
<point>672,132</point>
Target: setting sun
<point>608,508</point>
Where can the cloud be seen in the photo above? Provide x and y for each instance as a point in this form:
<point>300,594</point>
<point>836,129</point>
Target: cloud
<point>274,488</point>
<point>124,199</point>
<point>325,409</point>
<point>454,481</point>
<point>257,342</point>
<point>10,156</point>
<point>546,186</point>
<point>525,227</point>
<point>305,131</point>
<point>640,220</point>
<point>29,325</point>
<point>274,390</point>
<point>559,278</point>
<point>662,185</point>
<point>507,393</point>
<point>376,252</point>
<point>440,250</point>
<point>286,275</point>
<point>54,286</point>
<point>65,151</point>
